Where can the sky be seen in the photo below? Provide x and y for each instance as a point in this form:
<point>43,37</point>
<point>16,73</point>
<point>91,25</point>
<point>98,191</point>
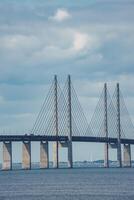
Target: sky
<point>91,40</point>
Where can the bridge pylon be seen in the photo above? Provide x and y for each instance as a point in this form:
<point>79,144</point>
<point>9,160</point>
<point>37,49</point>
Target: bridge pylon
<point>55,144</point>
<point>70,156</point>
<point>106,146</point>
<point>119,157</point>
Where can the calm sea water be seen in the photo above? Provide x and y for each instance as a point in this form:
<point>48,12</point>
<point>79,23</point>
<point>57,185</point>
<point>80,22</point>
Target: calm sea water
<point>64,184</point>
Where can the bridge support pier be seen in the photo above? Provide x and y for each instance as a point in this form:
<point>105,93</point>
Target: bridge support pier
<point>26,155</point>
<point>7,156</point>
<point>127,155</point>
<point>44,155</point>
<point>55,154</point>
<point>70,156</point>
<point>68,145</point>
<point>106,152</point>
<point>119,158</point>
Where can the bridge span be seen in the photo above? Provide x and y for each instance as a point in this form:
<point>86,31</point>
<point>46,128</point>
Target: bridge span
<point>62,142</point>
<point>61,120</point>
<point>38,138</point>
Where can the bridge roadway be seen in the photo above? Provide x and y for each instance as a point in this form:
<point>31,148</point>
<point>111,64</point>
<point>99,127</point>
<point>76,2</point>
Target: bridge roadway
<point>20,138</point>
<point>64,142</point>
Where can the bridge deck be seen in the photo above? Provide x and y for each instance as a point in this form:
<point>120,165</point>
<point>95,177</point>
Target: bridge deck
<point>19,138</point>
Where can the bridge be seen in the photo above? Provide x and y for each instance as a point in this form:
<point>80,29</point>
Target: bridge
<point>62,121</point>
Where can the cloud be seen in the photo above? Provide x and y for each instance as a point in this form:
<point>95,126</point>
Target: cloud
<point>80,41</point>
<point>18,41</point>
<point>61,15</point>
<point>70,45</point>
<point>91,46</point>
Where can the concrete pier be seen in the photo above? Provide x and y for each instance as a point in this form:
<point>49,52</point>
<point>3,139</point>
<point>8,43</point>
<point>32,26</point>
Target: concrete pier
<point>106,155</point>
<point>127,155</point>
<point>7,156</point>
<point>70,156</point>
<point>26,155</point>
<point>119,157</point>
<point>44,155</point>
<point>55,155</point>
<point>68,145</point>
<point>118,147</point>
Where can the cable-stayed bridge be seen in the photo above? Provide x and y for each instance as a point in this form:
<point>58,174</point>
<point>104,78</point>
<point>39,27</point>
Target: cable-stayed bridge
<point>62,121</point>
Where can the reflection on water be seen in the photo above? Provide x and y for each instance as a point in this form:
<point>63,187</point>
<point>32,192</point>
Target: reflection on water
<point>81,184</point>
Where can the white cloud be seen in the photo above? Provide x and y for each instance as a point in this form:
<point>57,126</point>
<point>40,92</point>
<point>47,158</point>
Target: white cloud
<point>85,41</point>
<point>80,41</point>
<point>61,15</point>
<point>77,43</point>
<point>18,41</point>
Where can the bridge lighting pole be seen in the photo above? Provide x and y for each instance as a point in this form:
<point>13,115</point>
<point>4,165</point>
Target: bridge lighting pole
<point>70,158</point>
<point>118,128</point>
<point>106,153</point>
<point>56,150</point>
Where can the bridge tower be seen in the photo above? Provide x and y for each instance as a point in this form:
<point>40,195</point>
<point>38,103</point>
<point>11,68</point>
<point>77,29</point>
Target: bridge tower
<point>55,144</point>
<point>70,156</point>
<point>106,149</point>
<point>119,157</point>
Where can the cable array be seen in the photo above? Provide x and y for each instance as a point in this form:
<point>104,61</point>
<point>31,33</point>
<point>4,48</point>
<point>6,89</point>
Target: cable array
<point>45,123</point>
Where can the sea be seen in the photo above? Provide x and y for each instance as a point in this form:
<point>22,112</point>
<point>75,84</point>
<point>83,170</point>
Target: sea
<point>68,184</point>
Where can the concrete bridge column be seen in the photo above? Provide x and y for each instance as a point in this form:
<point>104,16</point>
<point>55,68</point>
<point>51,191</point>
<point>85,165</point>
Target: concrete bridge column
<point>119,158</point>
<point>7,156</point>
<point>106,155</point>
<point>70,156</point>
<point>127,155</point>
<point>26,155</point>
<point>55,155</point>
<point>44,154</point>
<point>68,145</point>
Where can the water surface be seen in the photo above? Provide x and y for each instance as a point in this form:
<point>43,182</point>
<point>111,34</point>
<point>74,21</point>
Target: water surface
<point>64,184</point>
